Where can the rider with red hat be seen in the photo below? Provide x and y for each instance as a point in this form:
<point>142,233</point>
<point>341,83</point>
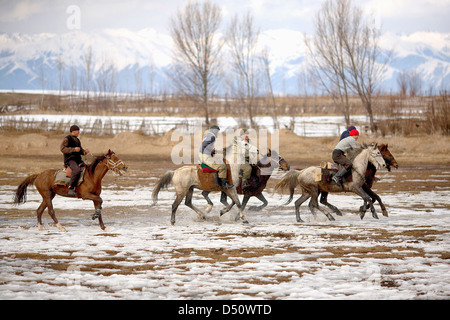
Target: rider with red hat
<point>339,157</point>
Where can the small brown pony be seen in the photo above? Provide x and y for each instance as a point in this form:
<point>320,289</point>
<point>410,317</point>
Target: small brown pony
<point>89,189</point>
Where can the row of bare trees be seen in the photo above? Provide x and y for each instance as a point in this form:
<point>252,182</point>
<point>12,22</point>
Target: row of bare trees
<point>346,56</point>
<point>198,55</point>
<point>344,53</point>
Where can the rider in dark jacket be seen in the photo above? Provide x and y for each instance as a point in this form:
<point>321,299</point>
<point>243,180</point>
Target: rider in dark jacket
<point>72,150</point>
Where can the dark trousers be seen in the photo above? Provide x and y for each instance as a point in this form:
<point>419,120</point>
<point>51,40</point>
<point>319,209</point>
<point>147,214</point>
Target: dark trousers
<point>340,158</point>
<point>76,171</point>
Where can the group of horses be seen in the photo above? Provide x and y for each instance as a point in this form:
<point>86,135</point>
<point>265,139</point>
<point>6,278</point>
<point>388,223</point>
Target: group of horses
<point>187,178</point>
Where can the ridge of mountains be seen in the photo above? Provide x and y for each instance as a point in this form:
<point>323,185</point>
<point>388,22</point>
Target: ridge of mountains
<point>136,61</point>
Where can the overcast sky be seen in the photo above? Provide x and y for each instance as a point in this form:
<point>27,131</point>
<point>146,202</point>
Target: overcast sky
<point>31,16</point>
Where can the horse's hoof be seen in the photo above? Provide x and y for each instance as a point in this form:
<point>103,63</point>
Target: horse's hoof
<point>361,215</point>
<point>209,208</point>
<point>245,222</point>
<point>385,213</point>
<point>60,227</point>
<point>41,227</point>
<point>106,229</point>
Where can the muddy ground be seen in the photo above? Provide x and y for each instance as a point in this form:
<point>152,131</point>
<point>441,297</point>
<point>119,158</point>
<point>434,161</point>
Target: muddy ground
<point>402,256</point>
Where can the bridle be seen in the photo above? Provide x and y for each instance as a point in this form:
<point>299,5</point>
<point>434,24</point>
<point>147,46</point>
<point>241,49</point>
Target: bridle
<point>114,166</point>
<point>270,168</point>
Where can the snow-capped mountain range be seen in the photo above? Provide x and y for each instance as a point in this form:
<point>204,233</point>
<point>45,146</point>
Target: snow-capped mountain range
<point>128,61</point>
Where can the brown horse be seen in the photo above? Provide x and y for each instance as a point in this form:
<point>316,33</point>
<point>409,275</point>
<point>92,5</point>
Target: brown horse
<point>370,178</point>
<point>89,189</point>
<point>261,173</point>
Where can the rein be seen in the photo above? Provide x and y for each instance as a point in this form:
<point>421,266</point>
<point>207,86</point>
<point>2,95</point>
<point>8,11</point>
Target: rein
<point>113,165</point>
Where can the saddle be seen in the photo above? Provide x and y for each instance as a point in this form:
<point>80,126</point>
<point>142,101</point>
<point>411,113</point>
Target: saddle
<point>327,172</point>
<point>209,180</point>
<point>62,177</point>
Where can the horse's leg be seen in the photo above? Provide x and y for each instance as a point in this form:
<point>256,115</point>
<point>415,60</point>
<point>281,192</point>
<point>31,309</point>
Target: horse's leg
<point>375,198</point>
<point>39,212</point>
<point>175,205</point>
<point>313,204</point>
<point>51,212</point>
<point>263,200</point>
<point>367,203</point>
<point>324,200</point>
<point>234,197</point>
<point>188,202</point>
<point>98,214</point>
<point>210,204</point>
<point>227,208</point>
<point>223,199</point>
<point>305,196</point>
<point>245,201</point>
<point>98,208</point>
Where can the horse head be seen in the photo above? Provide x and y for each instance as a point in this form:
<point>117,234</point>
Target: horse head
<point>114,163</point>
<point>375,157</point>
<point>273,160</point>
<point>388,157</point>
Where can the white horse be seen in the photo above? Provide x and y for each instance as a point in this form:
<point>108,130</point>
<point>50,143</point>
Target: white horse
<point>185,179</point>
<point>306,179</point>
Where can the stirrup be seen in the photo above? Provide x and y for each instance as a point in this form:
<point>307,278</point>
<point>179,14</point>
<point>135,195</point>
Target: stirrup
<point>72,192</point>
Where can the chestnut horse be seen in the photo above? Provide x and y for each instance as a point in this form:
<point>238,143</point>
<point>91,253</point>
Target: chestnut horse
<point>89,189</point>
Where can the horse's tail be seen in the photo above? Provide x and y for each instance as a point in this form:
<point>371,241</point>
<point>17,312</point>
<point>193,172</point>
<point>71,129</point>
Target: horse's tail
<point>290,180</point>
<point>163,182</point>
<point>21,192</point>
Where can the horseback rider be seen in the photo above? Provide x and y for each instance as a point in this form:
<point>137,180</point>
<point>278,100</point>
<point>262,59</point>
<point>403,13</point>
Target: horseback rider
<point>339,157</point>
<point>72,150</point>
<point>247,155</point>
<point>207,152</point>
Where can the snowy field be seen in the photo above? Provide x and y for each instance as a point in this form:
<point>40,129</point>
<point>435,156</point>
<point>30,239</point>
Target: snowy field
<point>312,126</point>
<point>403,256</point>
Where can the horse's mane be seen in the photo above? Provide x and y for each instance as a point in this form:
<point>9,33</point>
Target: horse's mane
<point>91,167</point>
<point>353,153</point>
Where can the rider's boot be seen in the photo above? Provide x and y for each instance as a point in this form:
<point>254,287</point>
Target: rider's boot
<point>338,176</point>
<point>224,183</point>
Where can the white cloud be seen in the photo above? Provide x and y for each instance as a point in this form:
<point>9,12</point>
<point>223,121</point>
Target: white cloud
<point>23,10</point>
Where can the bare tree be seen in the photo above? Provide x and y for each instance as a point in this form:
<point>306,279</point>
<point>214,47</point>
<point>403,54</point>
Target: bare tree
<point>242,39</point>
<point>326,53</point>
<point>60,65</point>
<point>87,59</point>
<point>366,64</point>
<point>402,81</point>
<point>264,57</point>
<point>415,83</point>
<point>347,49</point>
<point>196,54</point>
